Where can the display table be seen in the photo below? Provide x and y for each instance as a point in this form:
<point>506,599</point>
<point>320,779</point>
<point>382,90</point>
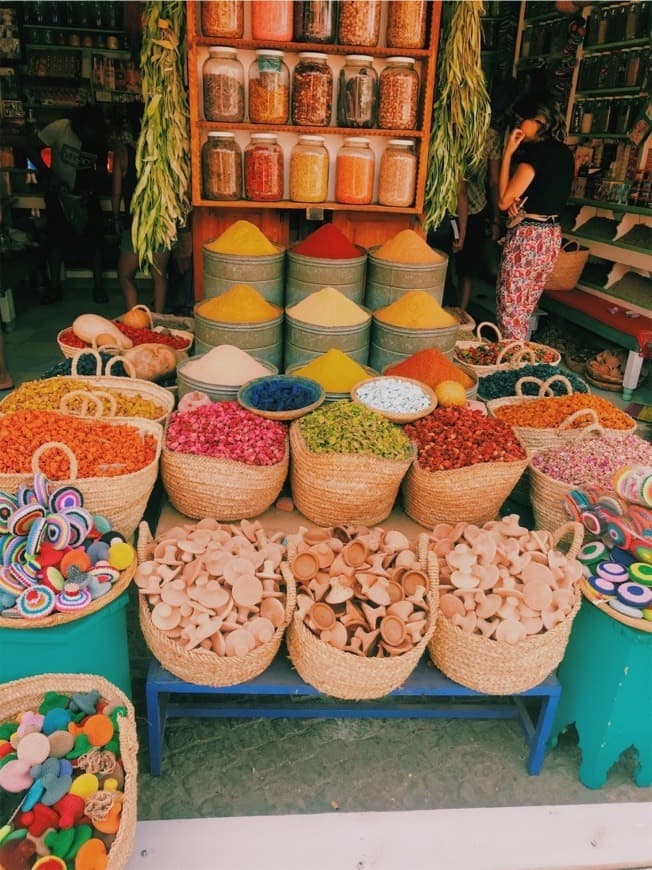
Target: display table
<point>606,679</point>
<point>273,695</point>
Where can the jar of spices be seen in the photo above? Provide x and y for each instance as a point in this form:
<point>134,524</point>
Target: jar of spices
<point>272,20</point>
<point>406,24</point>
<point>223,85</point>
<point>269,88</point>
<point>221,167</point>
<point>354,172</point>
<point>309,163</point>
<point>312,90</point>
<point>632,68</point>
<point>74,40</point>
<point>314,21</point>
<point>222,18</point>
<point>587,117</point>
<point>398,98</point>
<point>359,22</point>
<point>397,177</point>
<point>263,168</point>
<point>357,92</point>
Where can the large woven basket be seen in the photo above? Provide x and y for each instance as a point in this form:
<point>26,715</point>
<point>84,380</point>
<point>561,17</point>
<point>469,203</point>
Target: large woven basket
<point>517,361</point>
<point>332,489</point>
<point>204,667</point>
<point>498,668</point>
<point>206,486</point>
<point>27,694</point>
<point>121,499</point>
<point>472,494</point>
<point>568,267</point>
<point>70,351</point>
<point>349,676</point>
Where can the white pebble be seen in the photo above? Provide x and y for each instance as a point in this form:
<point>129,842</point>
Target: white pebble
<point>390,394</point>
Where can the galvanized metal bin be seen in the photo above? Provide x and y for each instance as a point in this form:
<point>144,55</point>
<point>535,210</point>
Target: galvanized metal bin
<point>387,281</point>
<point>266,274</point>
<point>306,275</point>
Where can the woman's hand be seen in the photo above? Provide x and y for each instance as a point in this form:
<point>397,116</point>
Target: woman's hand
<point>514,208</point>
<point>514,140</point>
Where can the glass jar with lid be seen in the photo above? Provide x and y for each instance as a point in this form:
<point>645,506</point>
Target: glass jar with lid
<point>271,20</point>
<point>221,167</point>
<point>263,168</point>
<point>406,23</point>
<point>357,92</point>
<point>309,164</point>
<point>398,95</point>
<point>354,172</point>
<point>223,86</point>
<point>312,90</point>
<point>359,22</point>
<point>397,176</point>
<point>269,88</point>
<point>222,18</point>
<point>314,21</point>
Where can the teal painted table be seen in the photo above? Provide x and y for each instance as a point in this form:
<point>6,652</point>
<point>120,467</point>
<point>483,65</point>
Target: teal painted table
<point>606,680</point>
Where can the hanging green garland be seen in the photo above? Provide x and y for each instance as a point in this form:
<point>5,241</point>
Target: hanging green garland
<point>161,200</point>
<point>460,114</point>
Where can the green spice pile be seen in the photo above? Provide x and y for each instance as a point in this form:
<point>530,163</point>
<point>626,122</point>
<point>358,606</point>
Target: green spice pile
<point>344,427</point>
<point>502,384</point>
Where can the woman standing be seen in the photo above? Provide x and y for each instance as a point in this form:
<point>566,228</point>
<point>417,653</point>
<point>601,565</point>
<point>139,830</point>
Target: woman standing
<point>542,179</point>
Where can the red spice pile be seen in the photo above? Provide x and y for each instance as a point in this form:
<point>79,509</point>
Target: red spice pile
<point>327,243</point>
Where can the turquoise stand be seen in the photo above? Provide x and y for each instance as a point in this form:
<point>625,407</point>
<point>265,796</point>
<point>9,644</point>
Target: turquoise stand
<point>606,679</point>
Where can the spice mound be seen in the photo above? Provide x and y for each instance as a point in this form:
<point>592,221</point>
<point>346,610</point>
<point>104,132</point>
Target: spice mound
<point>593,461</point>
<point>328,243</point>
<point>344,427</point>
<point>244,239</point>
<point>240,304</point>
<point>502,581</point>
<point>393,395</point>
<point>360,590</point>
<point>408,247</point>
<point>281,393</point>
<point>224,365</point>
<point>503,384</point>
<point>456,437</point>
<point>230,596</point>
<point>430,367</point>
<point>225,430</point>
<point>328,307</point>
<point>137,336</point>
<point>101,449</point>
<point>550,412</point>
<point>334,370</point>
<point>416,309</point>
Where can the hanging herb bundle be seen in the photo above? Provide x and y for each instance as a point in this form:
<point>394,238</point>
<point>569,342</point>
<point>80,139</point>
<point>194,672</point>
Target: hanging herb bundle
<point>161,203</point>
<point>460,114</point>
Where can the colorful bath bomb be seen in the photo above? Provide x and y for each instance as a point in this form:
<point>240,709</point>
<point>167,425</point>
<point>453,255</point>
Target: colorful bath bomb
<point>121,555</point>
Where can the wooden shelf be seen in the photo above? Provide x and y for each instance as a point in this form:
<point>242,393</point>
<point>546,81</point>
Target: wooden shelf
<point>545,16</point>
<point>613,46</point>
<point>616,252</point>
<point>70,27</point>
<point>301,206</point>
<point>599,135</point>
<point>611,206</point>
<point>310,131</point>
<point>610,92</point>
<point>323,47</point>
<point>111,52</point>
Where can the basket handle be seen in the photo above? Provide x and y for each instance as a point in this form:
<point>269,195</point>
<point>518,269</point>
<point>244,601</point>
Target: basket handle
<point>578,536</point>
<point>571,245</point>
<point>432,571</point>
<point>110,398</point>
<point>55,445</point>
<point>583,412</point>
<point>492,325</point>
<point>530,379</point>
<point>94,353</point>
<point>144,541</point>
<point>511,345</point>
<point>127,363</point>
<point>88,398</point>
<point>525,354</point>
<point>562,379</point>
<point>290,595</point>
<point>147,311</point>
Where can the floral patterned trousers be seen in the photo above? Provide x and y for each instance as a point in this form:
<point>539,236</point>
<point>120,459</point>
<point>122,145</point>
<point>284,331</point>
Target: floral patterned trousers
<point>528,257</point>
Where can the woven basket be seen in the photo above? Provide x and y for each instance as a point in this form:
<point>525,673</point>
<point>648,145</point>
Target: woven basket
<point>568,267</point>
<point>333,489</point>
<point>69,351</point>
<point>466,322</point>
<point>169,321</point>
<point>519,360</point>
<point>93,351</point>
<point>121,499</point>
<point>498,668</point>
<point>27,694</point>
<point>204,667</point>
<point>55,619</point>
<point>472,494</point>
<point>351,677</point>
<point>206,486</point>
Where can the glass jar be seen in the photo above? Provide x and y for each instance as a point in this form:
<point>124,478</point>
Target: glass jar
<point>222,18</point>
<point>223,86</point>
<point>354,172</point>
<point>397,177</point>
<point>221,167</point>
<point>406,23</point>
<point>359,22</point>
<point>309,163</point>
<point>398,99</point>
<point>587,117</point>
<point>314,21</point>
<point>263,168</point>
<point>269,88</point>
<point>632,68</point>
<point>312,90</point>
<point>357,92</point>
<point>271,20</point>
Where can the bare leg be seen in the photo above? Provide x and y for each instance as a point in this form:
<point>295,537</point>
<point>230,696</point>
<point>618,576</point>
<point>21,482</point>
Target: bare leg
<point>5,378</point>
<point>159,273</point>
<point>127,266</point>
<point>464,292</point>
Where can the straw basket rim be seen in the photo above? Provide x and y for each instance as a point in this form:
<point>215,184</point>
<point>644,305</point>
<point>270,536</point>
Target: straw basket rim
<point>396,417</point>
<point>602,604</point>
<point>560,431</point>
<point>69,350</point>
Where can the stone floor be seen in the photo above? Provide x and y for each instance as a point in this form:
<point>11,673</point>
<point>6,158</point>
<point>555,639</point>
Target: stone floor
<point>260,767</point>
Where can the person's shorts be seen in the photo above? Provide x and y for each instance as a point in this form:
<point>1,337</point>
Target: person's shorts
<point>469,261</point>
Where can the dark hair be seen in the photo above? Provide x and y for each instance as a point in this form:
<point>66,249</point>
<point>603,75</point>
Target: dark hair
<point>530,107</point>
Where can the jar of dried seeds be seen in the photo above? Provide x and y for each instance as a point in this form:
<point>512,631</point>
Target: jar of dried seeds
<point>312,90</point>
<point>223,86</point>
<point>359,22</point>
<point>221,167</point>
<point>309,170</point>
<point>397,175</point>
<point>398,99</point>
<point>222,18</point>
<point>406,23</point>
<point>269,88</point>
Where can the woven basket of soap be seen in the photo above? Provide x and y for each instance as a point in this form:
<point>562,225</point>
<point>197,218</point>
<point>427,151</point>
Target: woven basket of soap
<point>508,598</point>
<point>486,357</point>
<point>366,609</point>
<point>83,812</point>
<point>214,604</point>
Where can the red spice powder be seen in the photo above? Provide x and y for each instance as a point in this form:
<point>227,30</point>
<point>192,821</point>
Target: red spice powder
<point>328,243</point>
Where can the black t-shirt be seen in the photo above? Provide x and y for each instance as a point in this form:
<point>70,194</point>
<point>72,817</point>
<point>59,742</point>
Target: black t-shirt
<point>554,169</point>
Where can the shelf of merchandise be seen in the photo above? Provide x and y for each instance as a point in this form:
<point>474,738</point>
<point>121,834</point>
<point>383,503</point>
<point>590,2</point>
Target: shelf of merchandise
<point>611,206</point>
<point>615,46</point>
